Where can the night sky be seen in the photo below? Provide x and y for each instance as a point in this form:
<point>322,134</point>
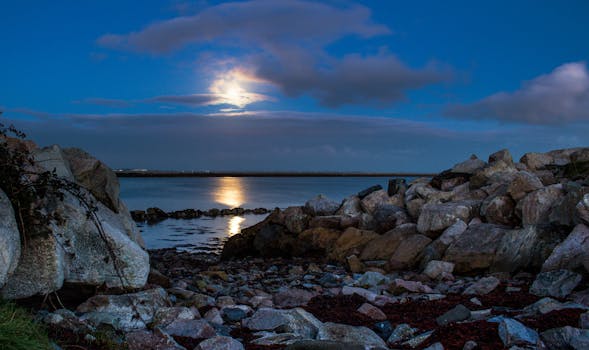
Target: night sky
<point>297,85</point>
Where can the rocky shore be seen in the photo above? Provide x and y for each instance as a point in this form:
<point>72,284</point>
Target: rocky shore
<point>486,255</point>
<point>155,215</point>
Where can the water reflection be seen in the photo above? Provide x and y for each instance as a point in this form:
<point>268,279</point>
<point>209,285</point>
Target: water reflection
<point>229,192</point>
<point>234,225</point>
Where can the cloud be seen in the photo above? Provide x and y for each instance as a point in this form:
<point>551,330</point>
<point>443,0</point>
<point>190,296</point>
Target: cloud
<point>282,140</point>
<point>285,43</point>
<point>107,102</point>
<point>379,79</point>
<point>269,22</point>
<point>560,97</point>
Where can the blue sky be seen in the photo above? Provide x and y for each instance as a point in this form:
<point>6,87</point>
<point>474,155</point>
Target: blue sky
<point>297,85</point>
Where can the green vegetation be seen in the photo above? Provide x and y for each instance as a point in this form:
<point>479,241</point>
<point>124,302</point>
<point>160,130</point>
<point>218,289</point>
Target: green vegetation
<point>18,330</point>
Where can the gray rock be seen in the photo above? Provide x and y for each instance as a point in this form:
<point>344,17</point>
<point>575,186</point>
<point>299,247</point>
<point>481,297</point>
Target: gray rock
<point>293,297</point>
<point>195,329</point>
<point>416,341</point>
<point>350,207</point>
<point>374,200</point>
<point>220,343</point>
<point>435,218</point>
<point>296,321</point>
<point>323,345</point>
<point>408,252</point>
<point>372,311</point>
<point>513,332</point>
<point>383,247</point>
<point>166,315</point>
<point>295,219</point>
<point>93,251</point>
<point>9,239</point>
<point>349,334</point>
<point>362,194</point>
<point>469,166</point>
<point>503,155</point>
<point>95,176</point>
<point>475,249</point>
<point>53,159</point>
<point>572,253</point>
<point>371,279</point>
<point>536,206</point>
<point>582,210</point>
<point>558,283</point>
<point>483,286</point>
<point>470,345</point>
<point>321,206</point>
<point>388,216</point>
<point>156,340</point>
<point>435,346</point>
<point>536,161</point>
<point>566,338</point>
<point>499,210</point>
<point>130,311</point>
<point>458,313</point>
<point>523,183</point>
<point>436,268</point>
<point>546,305</point>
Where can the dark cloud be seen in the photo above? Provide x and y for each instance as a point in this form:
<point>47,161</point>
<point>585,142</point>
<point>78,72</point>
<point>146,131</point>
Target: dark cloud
<point>285,43</point>
<point>107,102</point>
<point>559,97</point>
<point>269,22</point>
<point>282,141</point>
<point>189,100</point>
<point>378,79</point>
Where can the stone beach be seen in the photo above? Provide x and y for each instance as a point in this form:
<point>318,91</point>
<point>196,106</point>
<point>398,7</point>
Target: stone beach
<point>485,255</point>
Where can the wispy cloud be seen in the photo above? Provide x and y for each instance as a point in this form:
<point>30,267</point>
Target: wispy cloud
<point>560,97</point>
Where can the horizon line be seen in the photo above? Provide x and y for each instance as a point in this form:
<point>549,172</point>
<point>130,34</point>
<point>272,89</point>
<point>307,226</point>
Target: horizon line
<point>167,173</point>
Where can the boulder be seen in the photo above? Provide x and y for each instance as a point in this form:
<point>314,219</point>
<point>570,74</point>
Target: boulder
<point>397,186</point>
<point>350,334</point>
<point>499,210</point>
<point>536,161</point>
<point>526,248</point>
<point>352,241</point>
<point>274,240</point>
<point>436,217</point>
<point>53,159</point>
<point>90,250</point>
<point>572,253</point>
<point>95,176</point>
<point>9,239</point>
<point>295,219</point>
<point>456,314</point>
<point>476,248</point>
<point>317,239</point>
<point>330,221</point>
<point>388,216</point>
<point>320,206</point>
<point>368,191</point>
<point>523,183</point>
<point>408,251</point>
<point>566,338</point>
<point>296,321</point>
<point>350,207</point>
<point>498,172</point>
<point>469,166</point>
<point>374,200</point>
<point>537,205</point>
<point>129,311</point>
<point>564,211</point>
<point>193,329</point>
<point>582,210</point>
<point>502,155</point>
<point>436,250</point>
<point>558,283</point>
<point>383,247</point>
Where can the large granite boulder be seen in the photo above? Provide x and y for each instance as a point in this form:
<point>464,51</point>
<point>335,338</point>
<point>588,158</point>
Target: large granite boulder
<point>499,210</point>
<point>9,239</point>
<point>83,249</point>
<point>351,242</point>
<point>469,166</point>
<point>408,251</point>
<point>95,176</point>
<point>523,183</point>
<point>321,206</point>
<point>536,206</point>
<point>572,253</point>
<point>436,217</point>
<point>475,249</point>
<point>383,247</point>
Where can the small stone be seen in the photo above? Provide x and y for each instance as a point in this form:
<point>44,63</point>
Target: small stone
<point>458,313</point>
<point>414,342</point>
<point>401,333</point>
<point>372,311</point>
<point>195,329</point>
<point>233,314</point>
<point>293,297</point>
<point>384,329</point>
<point>481,314</point>
<point>558,284</point>
<point>483,286</point>
<point>354,264</point>
<point>214,316</point>
<point>365,293</point>
<point>476,301</point>
<point>470,345</point>
<point>435,346</point>
<point>513,332</point>
<point>436,268</point>
<point>220,343</point>
<point>371,279</point>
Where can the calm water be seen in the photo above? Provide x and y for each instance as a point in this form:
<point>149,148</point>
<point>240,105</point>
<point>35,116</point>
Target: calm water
<point>225,192</point>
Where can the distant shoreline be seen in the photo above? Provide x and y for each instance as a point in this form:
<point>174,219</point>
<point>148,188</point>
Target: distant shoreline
<point>150,173</point>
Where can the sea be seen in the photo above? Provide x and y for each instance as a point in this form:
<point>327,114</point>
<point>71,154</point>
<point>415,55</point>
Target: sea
<point>207,234</point>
